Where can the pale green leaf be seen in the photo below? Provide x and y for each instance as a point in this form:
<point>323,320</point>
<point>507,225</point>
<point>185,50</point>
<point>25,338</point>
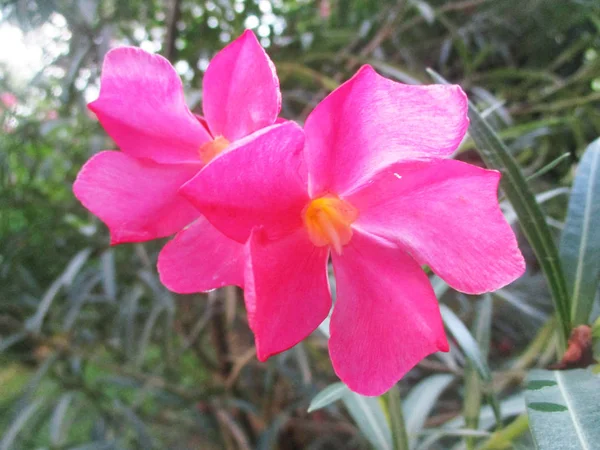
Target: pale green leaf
<point>327,396</point>
<point>466,341</point>
<point>368,414</point>
<point>563,409</point>
<point>420,401</point>
<point>580,243</point>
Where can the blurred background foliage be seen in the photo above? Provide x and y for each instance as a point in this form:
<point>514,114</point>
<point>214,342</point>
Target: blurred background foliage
<point>96,354</point>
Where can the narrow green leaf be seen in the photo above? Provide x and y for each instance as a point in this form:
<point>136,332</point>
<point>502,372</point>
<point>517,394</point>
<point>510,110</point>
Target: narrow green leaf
<point>366,412</point>
<point>57,428</point>
<point>564,413</point>
<point>108,274</point>
<point>269,439</point>
<point>466,341</point>
<point>533,223</point>
<point>11,433</point>
<point>509,407</point>
<point>506,437</point>
<point>34,323</point>
<point>473,385</point>
<point>420,401</point>
<point>470,347</point>
<point>548,167</point>
<point>327,396</point>
<point>370,419</point>
<point>9,341</point>
<point>580,243</point>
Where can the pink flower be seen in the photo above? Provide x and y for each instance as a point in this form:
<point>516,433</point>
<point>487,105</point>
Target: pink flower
<point>8,100</point>
<point>163,145</point>
<point>372,188</point>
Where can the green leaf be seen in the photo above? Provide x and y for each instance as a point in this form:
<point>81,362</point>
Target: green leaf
<point>509,407</point>
<point>17,425</point>
<point>563,409</point>
<point>533,223</point>
<point>473,385</point>
<point>327,396</point>
<point>466,341</point>
<point>580,243</point>
<point>368,414</point>
<point>57,422</point>
<point>420,401</point>
<point>34,323</point>
<point>470,347</point>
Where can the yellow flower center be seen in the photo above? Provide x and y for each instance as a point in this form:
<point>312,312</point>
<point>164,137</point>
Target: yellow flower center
<point>328,221</point>
<point>212,148</point>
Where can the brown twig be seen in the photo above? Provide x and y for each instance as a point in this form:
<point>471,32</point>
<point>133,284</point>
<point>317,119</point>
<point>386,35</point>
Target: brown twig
<point>172,18</point>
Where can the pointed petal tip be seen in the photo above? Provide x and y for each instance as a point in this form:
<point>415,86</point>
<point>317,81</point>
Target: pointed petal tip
<point>249,34</point>
<point>241,89</point>
<point>366,69</point>
<point>92,106</point>
<point>442,344</point>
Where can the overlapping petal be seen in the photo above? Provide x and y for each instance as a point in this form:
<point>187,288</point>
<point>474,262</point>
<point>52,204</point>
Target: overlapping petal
<point>446,214</point>
<point>142,107</point>
<point>286,290</point>
<point>261,181</point>
<point>136,199</point>
<point>200,259</point>
<point>240,89</point>
<point>370,122</point>
<point>386,317</point>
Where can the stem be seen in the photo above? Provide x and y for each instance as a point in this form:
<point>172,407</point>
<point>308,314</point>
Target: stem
<point>399,435</point>
<point>504,438</point>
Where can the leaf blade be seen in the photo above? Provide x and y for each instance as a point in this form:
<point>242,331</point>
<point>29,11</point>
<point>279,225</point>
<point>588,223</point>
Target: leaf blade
<point>327,396</point>
<point>580,240</point>
<point>370,418</point>
<point>562,407</point>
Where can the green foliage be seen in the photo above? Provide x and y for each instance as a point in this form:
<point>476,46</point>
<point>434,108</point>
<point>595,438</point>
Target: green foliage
<point>563,411</point>
<point>580,240</point>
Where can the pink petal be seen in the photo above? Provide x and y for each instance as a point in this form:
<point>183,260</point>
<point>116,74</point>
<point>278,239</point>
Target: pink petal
<point>370,122</point>
<point>141,106</point>
<point>241,89</point>
<point>260,181</point>
<point>136,199</point>
<point>446,214</point>
<point>199,259</point>
<point>386,318</point>
<point>287,290</point>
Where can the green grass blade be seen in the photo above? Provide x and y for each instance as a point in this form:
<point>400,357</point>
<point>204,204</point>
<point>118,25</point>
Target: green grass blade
<point>580,242</point>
